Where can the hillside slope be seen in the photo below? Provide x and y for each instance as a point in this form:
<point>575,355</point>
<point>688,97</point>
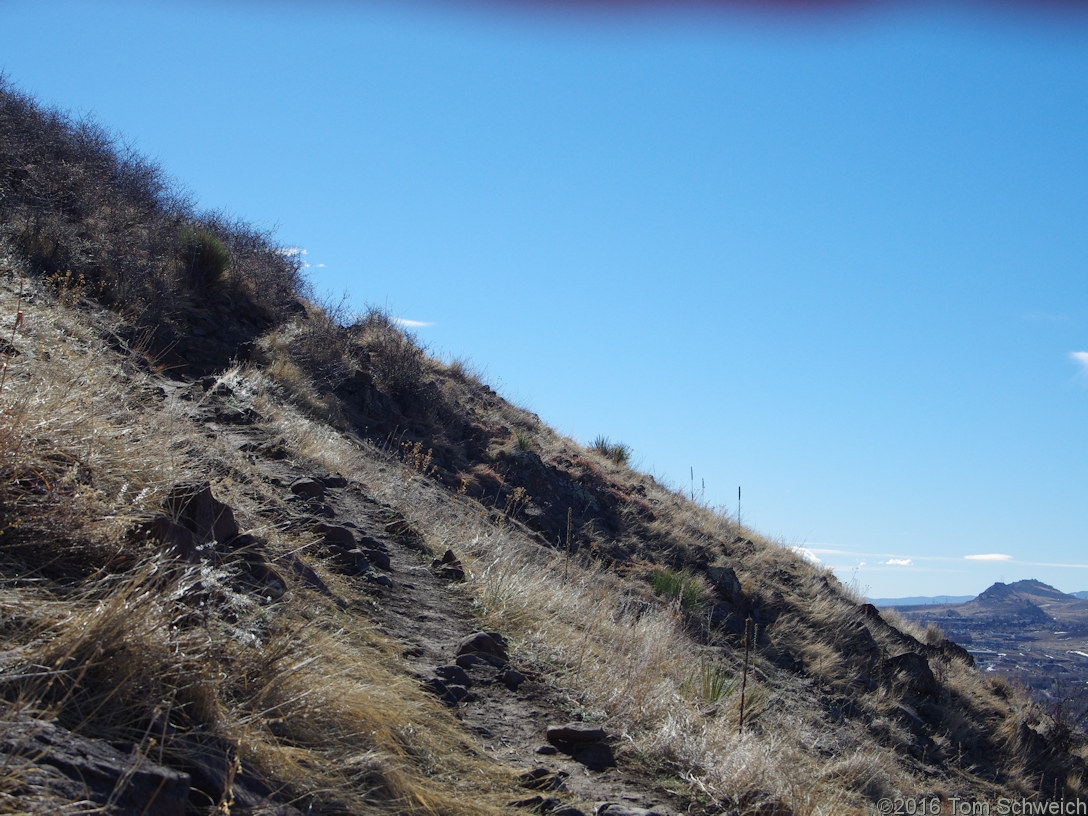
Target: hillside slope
<point>251,553</point>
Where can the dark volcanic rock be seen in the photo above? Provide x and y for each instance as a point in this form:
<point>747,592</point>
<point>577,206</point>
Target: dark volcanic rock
<point>454,674</point>
<point>309,489</point>
<point>195,508</point>
<point>43,756</point>
<point>484,643</point>
<point>335,536</point>
<point>575,733</point>
<point>172,537</point>
<point>378,558</point>
<point>511,678</point>
<point>912,671</point>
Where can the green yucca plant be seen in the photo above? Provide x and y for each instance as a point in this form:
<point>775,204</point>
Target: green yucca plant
<point>712,681</point>
<point>616,451</point>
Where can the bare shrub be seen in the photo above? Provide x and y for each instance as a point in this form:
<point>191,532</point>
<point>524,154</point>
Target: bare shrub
<point>321,346</point>
<point>396,361</point>
<point>76,199</point>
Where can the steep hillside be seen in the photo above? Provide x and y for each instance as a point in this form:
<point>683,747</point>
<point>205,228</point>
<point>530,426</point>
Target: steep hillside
<point>260,557</point>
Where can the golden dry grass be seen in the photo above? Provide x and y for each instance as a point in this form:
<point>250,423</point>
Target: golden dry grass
<point>310,695</point>
<point>317,699</point>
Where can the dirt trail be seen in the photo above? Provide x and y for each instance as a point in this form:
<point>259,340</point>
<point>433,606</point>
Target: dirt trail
<point>431,615</point>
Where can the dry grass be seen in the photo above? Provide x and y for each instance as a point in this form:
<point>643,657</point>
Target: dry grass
<point>316,699</point>
<point>113,640</point>
<point>633,661</point>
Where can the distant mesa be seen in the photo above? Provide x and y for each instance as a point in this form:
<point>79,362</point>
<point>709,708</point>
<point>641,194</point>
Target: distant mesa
<point>1027,601</point>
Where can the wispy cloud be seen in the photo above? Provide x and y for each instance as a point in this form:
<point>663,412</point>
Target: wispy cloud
<point>900,562</point>
<point>411,324</point>
<point>988,557</point>
<point>1081,359</point>
<point>296,252</point>
<point>822,550</point>
<point>806,554</point>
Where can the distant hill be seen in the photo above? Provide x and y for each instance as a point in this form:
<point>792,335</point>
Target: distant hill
<point>1029,602</point>
<point>920,600</point>
<point>1028,630</point>
<point>1083,594</point>
<point>1012,601</point>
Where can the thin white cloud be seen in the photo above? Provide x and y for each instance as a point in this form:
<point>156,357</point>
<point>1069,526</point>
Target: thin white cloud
<point>1081,359</point>
<point>411,324</point>
<point>989,557</point>
<point>293,251</point>
<point>806,554</point>
<point>820,550</point>
<point>900,562</point>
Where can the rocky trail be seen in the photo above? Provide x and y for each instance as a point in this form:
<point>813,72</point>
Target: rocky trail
<point>567,767</point>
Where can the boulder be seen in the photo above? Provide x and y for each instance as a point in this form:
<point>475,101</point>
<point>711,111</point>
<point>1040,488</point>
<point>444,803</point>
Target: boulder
<point>484,643</point>
<point>575,733</point>
<point>334,536</point>
<point>172,537</point>
<point>724,579</point>
<point>511,678</point>
<point>378,558</point>
<point>192,505</point>
<point>308,489</point>
<point>454,674</point>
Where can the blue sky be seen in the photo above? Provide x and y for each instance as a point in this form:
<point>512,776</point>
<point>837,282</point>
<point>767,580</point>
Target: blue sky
<point>839,260</point>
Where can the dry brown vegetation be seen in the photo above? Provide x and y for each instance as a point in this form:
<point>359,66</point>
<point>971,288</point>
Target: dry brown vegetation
<point>624,595</point>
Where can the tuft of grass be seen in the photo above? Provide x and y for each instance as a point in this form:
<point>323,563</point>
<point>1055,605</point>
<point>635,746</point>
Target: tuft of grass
<point>203,257</point>
<point>682,586</point>
<point>618,452</point>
